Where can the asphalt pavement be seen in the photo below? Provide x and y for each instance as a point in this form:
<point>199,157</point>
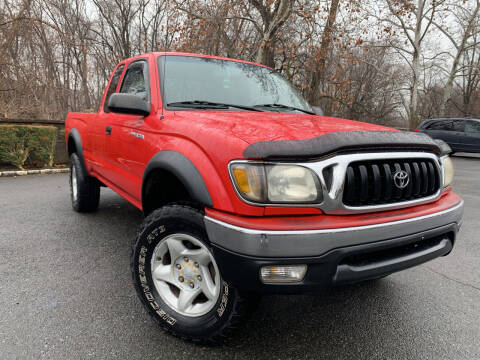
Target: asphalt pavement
<point>66,292</point>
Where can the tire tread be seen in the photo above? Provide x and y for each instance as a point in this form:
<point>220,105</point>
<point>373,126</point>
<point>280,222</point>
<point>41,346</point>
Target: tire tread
<point>88,188</point>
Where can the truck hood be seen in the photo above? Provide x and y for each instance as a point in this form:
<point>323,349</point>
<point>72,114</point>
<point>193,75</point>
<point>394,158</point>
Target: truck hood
<point>253,127</point>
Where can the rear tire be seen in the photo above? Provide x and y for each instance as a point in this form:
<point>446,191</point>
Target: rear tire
<point>84,189</point>
<point>178,281</point>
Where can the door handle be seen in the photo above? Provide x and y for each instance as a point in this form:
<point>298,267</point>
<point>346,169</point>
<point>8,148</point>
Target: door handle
<point>108,130</point>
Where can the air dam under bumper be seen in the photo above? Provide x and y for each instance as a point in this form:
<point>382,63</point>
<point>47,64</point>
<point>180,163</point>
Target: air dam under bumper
<point>333,256</point>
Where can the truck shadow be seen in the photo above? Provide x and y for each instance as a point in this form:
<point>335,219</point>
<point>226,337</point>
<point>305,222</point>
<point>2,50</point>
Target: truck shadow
<point>335,324</point>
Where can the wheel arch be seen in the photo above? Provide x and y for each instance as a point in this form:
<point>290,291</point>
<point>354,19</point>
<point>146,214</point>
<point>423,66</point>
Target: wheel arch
<point>177,170</point>
<point>74,145</point>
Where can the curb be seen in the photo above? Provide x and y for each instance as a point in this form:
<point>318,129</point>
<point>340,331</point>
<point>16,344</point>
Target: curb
<point>33,172</point>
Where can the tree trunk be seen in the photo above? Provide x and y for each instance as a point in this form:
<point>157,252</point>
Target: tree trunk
<point>272,22</point>
<point>413,107</point>
<point>265,54</point>
<point>84,74</point>
<point>417,48</point>
<point>317,74</point>
<point>447,91</point>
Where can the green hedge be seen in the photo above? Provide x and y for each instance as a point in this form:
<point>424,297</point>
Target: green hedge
<point>22,144</point>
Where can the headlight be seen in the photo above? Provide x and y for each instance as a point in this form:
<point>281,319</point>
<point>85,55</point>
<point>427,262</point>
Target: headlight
<point>448,172</point>
<point>276,184</point>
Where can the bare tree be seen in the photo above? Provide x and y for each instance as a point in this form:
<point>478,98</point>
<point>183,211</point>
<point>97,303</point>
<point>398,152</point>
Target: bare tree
<point>116,21</point>
<point>413,19</point>
<point>369,60</point>
<point>460,35</point>
<point>469,82</point>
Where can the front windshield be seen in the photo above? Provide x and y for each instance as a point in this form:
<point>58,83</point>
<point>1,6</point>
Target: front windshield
<point>190,79</point>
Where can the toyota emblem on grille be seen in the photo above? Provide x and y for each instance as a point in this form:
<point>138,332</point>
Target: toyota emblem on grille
<point>401,179</point>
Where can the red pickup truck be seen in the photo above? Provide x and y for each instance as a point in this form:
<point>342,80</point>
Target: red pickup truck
<point>247,190</point>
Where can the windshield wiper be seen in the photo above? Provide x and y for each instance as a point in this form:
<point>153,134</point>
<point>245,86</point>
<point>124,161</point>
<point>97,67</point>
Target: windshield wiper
<point>209,104</point>
<point>281,106</point>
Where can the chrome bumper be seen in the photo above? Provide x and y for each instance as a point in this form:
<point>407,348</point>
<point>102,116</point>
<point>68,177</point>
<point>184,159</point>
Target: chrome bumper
<point>268,243</point>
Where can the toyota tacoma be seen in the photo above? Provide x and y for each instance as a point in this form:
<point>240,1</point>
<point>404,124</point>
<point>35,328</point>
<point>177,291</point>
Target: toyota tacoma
<point>246,189</point>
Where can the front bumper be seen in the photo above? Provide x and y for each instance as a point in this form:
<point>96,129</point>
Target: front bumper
<point>333,256</point>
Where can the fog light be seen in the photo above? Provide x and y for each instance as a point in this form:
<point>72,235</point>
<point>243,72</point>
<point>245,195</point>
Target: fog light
<point>282,273</point>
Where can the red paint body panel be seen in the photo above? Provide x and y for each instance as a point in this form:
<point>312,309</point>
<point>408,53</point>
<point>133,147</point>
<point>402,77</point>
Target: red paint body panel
<point>271,210</point>
<point>209,139</point>
<point>317,222</point>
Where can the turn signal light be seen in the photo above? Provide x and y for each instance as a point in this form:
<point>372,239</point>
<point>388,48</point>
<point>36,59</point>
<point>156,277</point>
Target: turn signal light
<point>241,178</point>
<point>282,273</point>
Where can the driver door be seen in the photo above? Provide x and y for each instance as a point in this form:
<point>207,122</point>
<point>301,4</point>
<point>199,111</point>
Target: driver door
<point>129,132</point>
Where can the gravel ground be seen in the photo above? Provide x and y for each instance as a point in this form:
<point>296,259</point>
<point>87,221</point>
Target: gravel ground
<point>66,292</point>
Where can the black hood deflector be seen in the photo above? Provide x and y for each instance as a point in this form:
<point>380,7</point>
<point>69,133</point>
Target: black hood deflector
<point>346,141</point>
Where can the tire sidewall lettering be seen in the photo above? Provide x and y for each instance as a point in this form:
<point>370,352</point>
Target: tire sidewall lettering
<point>223,300</point>
<point>155,233</point>
<point>142,276</point>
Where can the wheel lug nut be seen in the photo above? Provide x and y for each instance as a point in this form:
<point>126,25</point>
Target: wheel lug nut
<point>185,259</point>
<point>196,264</point>
<point>178,266</point>
<point>199,277</point>
<point>192,285</point>
<point>180,279</point>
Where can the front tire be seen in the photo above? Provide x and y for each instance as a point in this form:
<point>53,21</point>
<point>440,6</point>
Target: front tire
<point>177,278</point>
<point>84,189</point>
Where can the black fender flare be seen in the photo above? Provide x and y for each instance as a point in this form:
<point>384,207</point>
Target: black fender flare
<point>180,166</point>
<point>75,136</point>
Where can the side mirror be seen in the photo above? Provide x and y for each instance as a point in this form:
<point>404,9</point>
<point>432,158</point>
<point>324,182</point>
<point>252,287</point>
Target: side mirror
<point>318,110</point>
<point>128,104</point>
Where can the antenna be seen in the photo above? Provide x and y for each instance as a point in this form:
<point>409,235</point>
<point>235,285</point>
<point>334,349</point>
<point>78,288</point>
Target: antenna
<point>164,60</point>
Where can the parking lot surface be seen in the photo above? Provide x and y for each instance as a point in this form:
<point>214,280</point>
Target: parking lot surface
<point>66,292</point>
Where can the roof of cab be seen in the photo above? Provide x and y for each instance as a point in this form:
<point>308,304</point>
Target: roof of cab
<point>175,53</point>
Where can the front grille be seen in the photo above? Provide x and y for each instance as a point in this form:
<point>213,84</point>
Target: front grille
<point>372,182</point>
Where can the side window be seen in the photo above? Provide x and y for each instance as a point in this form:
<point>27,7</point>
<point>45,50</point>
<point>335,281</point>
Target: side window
<point>113,86</point>
<point>458,125</point>
<point>472,126</point>
<point>440,125</point>
<point>135,81</point>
